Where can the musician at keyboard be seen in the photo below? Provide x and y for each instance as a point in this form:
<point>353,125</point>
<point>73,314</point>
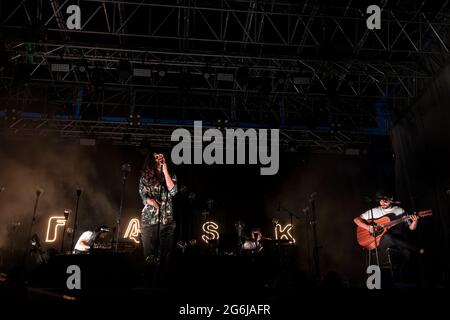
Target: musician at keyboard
<point>88,239</point>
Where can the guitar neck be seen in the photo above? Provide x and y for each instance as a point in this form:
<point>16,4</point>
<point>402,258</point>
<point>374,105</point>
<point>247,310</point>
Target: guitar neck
<point>392,223</point>
<point>396,222</point>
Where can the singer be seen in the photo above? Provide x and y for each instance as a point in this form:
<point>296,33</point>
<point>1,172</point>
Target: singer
<point>396,237</point>
<point>157,187</point>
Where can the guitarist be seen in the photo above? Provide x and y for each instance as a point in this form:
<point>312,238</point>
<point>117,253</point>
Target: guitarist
<point>396,236</point>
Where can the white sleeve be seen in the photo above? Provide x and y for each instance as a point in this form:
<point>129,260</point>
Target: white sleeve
<point>365,215</point>
<point>86,236</point>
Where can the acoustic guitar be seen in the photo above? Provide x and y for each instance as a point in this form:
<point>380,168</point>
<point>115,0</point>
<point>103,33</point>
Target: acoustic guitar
<point>381,225</point>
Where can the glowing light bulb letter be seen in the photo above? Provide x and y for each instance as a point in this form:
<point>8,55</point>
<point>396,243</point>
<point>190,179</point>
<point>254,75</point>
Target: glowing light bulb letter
<point>133,230</point>
<point>210,231</point>
<point>284,232</point>
<point>52,228</point>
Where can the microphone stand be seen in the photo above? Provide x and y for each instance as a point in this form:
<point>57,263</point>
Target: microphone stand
<point>158,227</point>
<point>66,218</point>
<point>126,168</point>
<point>374,237</point>
<point>291,215</point>
<point>75,223</point>
<point>316,247</point>
<point>33,220</point>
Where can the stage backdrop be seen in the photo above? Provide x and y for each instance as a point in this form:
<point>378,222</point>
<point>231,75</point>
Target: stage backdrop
<point>228,193</point>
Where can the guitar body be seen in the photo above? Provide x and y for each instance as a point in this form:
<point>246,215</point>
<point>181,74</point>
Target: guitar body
<point>371,241</point>
<point>368,240</point>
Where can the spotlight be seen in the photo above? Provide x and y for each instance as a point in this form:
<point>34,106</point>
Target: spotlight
<point>206,73</point>
<point>11,114</point>
<point>134,119</point>
<point>162,70</point>
<point>222,124</point>
<point>335,128</point>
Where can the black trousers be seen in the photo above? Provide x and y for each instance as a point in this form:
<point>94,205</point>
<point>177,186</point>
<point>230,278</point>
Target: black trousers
<point>157,258</point>
<point>401,255</point>
<point>149,236</point>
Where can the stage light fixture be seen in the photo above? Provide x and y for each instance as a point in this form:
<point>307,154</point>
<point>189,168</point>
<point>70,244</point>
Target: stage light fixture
<point>145,73</point>
<point>335,128</point>
<point>225,77</point>
<point>124,70</point>
<point>301,80</point>
<point>134,119</point>
<point>243,76</point>
<point>222,124</point>
<point>161,70</point>
<point>11,114</point>
<point>60,67</point>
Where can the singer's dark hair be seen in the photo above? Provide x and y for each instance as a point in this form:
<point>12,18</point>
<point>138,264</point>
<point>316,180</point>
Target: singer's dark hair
<point>149,170</point>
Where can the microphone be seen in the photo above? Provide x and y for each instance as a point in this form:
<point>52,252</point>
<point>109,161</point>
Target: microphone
<point>79,191</point>
<point>39,191</point>
<point>396,202</point>
<point>66,214</point>
<point>126,169</point>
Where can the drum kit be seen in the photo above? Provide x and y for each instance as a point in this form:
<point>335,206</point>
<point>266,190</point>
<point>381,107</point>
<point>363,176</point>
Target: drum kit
<point>255,243</point>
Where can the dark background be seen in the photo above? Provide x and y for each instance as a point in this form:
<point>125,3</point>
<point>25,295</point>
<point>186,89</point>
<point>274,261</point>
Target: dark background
<point>421,142</point>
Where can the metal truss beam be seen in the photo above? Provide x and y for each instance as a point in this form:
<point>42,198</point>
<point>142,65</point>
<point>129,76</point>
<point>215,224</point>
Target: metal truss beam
<point>246,24</point>
<point>158,132</point>
<point>278,63</point>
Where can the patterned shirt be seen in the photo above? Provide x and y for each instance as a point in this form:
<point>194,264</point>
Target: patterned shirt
<point>163,197</point>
